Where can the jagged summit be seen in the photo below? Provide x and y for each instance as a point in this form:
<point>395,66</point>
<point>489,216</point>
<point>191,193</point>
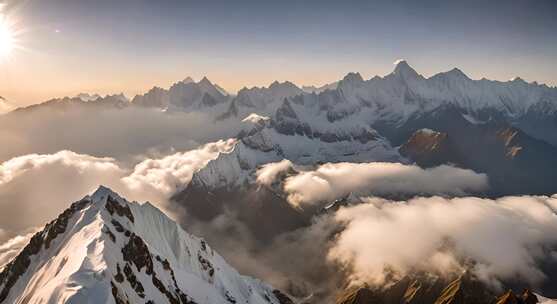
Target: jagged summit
<point>88,97</point>
<point>404,71</point>
<point>104,249</point>
<point>519,80</point>
<point>456,73</point>
<point>102,192</point>
<point>352,77</point>
<point>188,79</point>
<point>205,81</point>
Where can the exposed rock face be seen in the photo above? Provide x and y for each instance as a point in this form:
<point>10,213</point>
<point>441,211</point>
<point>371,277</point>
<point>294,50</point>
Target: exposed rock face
<point>430,148</point>
<point>515,162</point>
<point>433,290</point>
<point>104,249</point>
<point>527,297</point>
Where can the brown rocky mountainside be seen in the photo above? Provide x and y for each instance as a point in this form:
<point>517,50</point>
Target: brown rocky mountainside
<point>425,289</point>
<point>515,162</point>
<point>430,148</point>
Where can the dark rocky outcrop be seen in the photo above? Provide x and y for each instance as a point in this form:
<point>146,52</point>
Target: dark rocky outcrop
<point>426,289</point>
<point>113,206</point>
<point>283,299</point>
<point>430,148</point>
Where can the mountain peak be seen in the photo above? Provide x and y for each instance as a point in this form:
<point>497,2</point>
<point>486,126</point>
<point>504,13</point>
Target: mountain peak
<point>352,77</point>
<point>205,80</point>
<point>88,97</point>
<point>457,73</point>
<point>286,84</point>
<point>140,256</point>
<point>188,80</point>
<point>102,192</point>
<point>518,80</point>
<point>404,70</point>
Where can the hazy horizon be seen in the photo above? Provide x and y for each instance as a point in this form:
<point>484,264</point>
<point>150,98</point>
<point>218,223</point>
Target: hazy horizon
<point>67,47</point>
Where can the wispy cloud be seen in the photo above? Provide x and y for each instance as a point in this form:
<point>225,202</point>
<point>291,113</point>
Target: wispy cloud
<point>335,180</point>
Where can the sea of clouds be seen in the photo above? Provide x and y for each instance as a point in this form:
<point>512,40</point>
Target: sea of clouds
<point>52,158</point>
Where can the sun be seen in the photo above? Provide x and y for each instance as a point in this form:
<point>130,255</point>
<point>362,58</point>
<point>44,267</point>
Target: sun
<point>7,37</point>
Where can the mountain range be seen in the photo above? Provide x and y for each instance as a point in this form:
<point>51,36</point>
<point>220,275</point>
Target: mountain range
<point>499,128</point>
<point>132,253</point>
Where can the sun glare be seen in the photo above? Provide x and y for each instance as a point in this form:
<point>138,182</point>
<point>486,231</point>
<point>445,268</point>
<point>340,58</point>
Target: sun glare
<point>7,39</point>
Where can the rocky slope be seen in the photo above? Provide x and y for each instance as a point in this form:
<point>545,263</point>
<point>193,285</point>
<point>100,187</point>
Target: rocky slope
<point>104,249</point>
<point>464,289</point>
<point>515,162</point>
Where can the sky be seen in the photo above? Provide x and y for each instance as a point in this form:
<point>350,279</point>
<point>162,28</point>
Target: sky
<point>104,46</point>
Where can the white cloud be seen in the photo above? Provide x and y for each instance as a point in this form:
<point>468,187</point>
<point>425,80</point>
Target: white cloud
<point>332,181</point>
<point>10,248</point>
<point>164,176</point>
<point>505,237</point>
<point>268,173</point>
<point>35,188</point>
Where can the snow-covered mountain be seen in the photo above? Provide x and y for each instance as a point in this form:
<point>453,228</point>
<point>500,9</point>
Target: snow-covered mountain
<point>360,120</point>
<point>280,138</point>
<point>319,89</point>
<point>185,95</point>
<point>263,101</point>
<point>404,95</point>
<point>227,184</point>
<point>353,102</point>
<point>80,101</point>
<point>104,249</point>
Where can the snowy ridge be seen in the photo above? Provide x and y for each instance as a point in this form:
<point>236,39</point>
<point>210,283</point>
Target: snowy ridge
<point>265,144</point>
<point>105,249</point>
<point>403,93</point>
<point>263,101</point>
<point>186,95</point>
<point>393,98</point>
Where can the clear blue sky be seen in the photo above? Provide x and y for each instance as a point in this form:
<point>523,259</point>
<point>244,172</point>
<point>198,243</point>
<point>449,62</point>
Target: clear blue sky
<point>112,46</point>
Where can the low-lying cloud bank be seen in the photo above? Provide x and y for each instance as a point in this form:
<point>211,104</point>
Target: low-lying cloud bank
<point>332,181</point>
<point>511,239</point>
<point>126,134</point>
<point>36,188</point>
<point>503,239</point>
<point>496,239</point>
